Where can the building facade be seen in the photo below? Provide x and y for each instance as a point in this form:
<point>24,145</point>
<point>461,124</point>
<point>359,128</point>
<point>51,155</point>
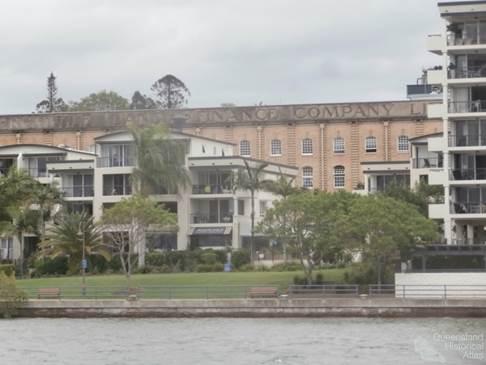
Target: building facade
<point>462,75</point>
<point>210,212</point>
<point>326,142</point>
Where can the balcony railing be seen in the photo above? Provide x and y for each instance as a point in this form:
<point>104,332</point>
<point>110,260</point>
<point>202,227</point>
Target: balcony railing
<point>470,140</point>
<point>477,106</point>
<point>201,218</point>
<point>80,191</point>
<point>468,174</point>
<point>115,162</point>
<point>464,34</point>
<point>424,163</point>
<point>35,172</point>
<point>211,189</point>
<point>469,72</point>
<point>468,208</point>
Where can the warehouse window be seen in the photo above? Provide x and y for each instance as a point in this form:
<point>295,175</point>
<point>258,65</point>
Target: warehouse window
<point>370,144</point>
<point>307,146</point>
<point>245,149</point>
<point>339,177</point>
<point>276,147</point>
<point>338,145</point>
<point>402,143</point>
<point>307,177</point>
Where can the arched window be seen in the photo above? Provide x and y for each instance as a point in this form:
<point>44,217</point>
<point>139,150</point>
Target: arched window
<point>307,177</point>
<point>245,149</point>
<point>276,147</point>
<point>338,145</point>
<point>402,143</point>
<point>370,144</point>
<point>307,146</point>
<point>339,177</point>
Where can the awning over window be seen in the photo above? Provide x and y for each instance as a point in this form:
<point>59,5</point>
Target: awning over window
<point>208,231</point>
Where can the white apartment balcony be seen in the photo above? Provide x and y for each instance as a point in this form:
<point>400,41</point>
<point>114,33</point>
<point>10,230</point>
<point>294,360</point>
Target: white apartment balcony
<point>435,111</point>
<point>113,161</point>
<point>435,43</point>
<point>467,142</point>
<point>437,211</point>
<point>427,163</point>
<point>467,176</point>
<point>78,191</point>
<point>435,77</point>
<point>437,176</point>
<point>466,35</point>
<point>467,109</point>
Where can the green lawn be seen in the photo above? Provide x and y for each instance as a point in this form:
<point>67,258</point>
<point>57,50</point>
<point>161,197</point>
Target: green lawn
<point>218,283</point>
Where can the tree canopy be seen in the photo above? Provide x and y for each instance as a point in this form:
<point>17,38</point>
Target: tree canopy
<point>101,101</point>
<point>170,92</point>
<point>52,103</point>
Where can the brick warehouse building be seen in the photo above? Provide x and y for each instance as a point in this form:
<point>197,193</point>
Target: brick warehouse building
<point>327,142</point>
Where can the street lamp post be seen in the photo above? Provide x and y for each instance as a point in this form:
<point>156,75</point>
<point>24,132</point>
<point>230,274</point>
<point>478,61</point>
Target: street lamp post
<point>84,263</point>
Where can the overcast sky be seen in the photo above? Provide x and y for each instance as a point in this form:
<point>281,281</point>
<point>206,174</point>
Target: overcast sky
<point>226,51</point>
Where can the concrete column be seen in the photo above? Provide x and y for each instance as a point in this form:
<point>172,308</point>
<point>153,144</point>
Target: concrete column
<point>183,220</point>
<point>322,156</point>
<point>470,234</point>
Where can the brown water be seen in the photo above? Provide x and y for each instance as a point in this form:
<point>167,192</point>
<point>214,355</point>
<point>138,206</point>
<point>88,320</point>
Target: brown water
<point>242,341</point>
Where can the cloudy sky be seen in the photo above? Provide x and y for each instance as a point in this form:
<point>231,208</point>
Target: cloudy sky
<point>226,51</point>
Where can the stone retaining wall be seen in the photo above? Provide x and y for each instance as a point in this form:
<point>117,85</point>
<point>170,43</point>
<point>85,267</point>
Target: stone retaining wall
<point>332,307</point>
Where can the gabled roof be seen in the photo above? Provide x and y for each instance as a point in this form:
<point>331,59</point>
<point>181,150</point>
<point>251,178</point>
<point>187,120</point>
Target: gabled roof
<point>60,149</point>
<point>172,132</point>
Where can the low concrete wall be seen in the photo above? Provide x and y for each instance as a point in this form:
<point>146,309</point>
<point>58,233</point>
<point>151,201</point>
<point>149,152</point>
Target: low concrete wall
<point>441,284</point>
<point>331,307</point>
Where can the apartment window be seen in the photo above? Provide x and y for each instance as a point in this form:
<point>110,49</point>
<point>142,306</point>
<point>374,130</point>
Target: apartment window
<point>241,207</point>
<point>37,166</point>
<point>117,155</point>
<point>245,149</point>
<point>6,245</point>
<point>338,145</point>
<point>276,149</point>
<point>402,143</point>
<point>263,208</point>
<point>118,184</point>
<point>307,177</point>
<point>370,144</point>
<point>307,146</point>
<point>339,177</point>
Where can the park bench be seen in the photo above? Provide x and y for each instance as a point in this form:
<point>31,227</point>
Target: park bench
<point>262,292</point>
<point>49,293</point>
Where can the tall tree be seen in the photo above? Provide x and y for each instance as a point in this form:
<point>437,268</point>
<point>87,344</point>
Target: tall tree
<point>142,102</point>
<point>126,225</point>
<point>101,101</point>
<point>46,197</point>
<point>171,92</point>
<point>250,179</point>
<point>383,229</point>
<point>311,223</point>
<point>52,103</point>
<point>67,237</point>
<point>160,160</point>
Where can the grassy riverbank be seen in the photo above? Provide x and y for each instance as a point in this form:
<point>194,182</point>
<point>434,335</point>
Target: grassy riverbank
<point>279,279</point>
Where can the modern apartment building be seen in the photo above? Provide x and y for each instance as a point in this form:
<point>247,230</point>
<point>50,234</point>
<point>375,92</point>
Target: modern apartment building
<point>462,75</point>
<point>210,213</point>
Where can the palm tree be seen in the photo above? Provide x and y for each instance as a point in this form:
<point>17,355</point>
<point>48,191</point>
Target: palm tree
<point>17,193</point>
<point>251,179</point>
<point>46,197</point>
<point>68,236</point>
<point>160,160</point>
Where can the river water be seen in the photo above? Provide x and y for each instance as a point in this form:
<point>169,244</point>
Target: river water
<point>242,341</point>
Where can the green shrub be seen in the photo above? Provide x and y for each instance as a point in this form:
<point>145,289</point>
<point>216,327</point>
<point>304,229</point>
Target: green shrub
<point>11,297</point>
<point>217,267</point>
<point>156,259</point>
<point>7,269</point>
<point>48,266</point>
<point>365,273</point>
<point>287,266</point>
<point>318,279</point>
<point>240,258</point>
